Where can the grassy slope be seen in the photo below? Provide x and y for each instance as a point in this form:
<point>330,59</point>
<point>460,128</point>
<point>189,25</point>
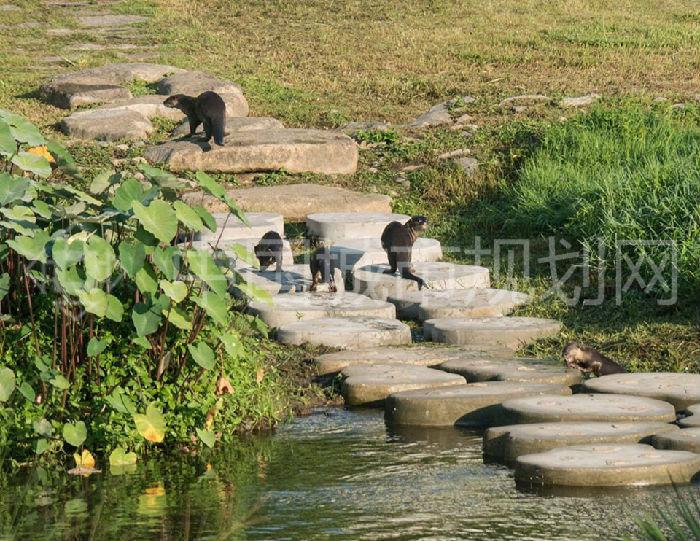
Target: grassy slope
<point>322,62</point>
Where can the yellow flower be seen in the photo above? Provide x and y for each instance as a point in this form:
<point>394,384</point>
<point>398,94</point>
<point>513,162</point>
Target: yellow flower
<point>43,152</point>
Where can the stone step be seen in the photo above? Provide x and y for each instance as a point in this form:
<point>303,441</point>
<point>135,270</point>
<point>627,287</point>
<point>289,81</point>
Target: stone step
<point>346,332</point>
<point>471,405</point>
<point>529,370</point>
<point>370,385</point>
<point>330,363</point>
<point>693,418</point>
<point>294,278</point>
<point>510,332</point>
<point>681,390</point>
<point>505,444</point>
<point>294,150</point>
<point>227,247</point>
<point>588,407</point>
<point>374,282</point>
<point>333,227</point>
<point>193,83</point>
<point>307,306</point>
<point>234,229</point>
<point>295,201</point>
<point>355,253</point>
<point>456,303</point>
<point>233,124</point>
<point>687,439</point>
<point>606,465</point>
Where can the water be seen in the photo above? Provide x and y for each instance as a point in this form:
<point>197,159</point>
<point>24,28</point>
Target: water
<point>335,475</point>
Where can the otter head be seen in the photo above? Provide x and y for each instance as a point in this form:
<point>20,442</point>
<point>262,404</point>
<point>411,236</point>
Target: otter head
<point>571,353</point>
<point>173,101</point>
<point>418,223</point>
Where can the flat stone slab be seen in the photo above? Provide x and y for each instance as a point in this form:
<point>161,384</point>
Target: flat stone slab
<point>294,278</point>
<point>149,106</point>
<point>293,150</point>
<point>193,83</point>
<point>506,443</point>
<point>472,405</point>
<point>329,363</point>
<point>687,439</point>
<point>109,20</point>
<point>588,407</point>
<point>693,418</point>
<point>233,124</point>
<point>233,228</point>
<point>107,125</point>
<point>681,390</point>
<point>226,245</point>
<point>346,332</point>
<point>337,226</point>
<point>457,303</point>
<point>371,384</point>
<point>361,252</point>
<point>296,201</point>
<point>374,282</point>
<point>514,369</point>
<point>606,465</point>
<point>311,305</point>
<point>510,332</point>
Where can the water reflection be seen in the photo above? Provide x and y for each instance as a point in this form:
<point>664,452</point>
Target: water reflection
<point>335,475</point>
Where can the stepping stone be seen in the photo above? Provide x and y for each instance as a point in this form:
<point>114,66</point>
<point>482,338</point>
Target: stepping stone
<point>457,303</point>
<point>233,124</point>
<point>355,253</point>
<point>681,390</point>
<point>693,418</point>
<point>687,439</point>
<point>588,407</point>
<point>510,332</point>
<point>226,245</point>
<point>346,333</point>
<point>260,223</point>
<point>472,405</point>
<point>296,201</point>
<point>506,443</point>
<point>107,125</point>
<point>104,84</point>
<point>374,282</point>
<point>193,83</point>
<point>307,306</point>
<point>292,150</point>
<point>514,369</point>
<point>148,106</point>
<point>606,465</point>
<point>371,384</point>
<point>334,227</point>
<point>292,279</point>
<point>109,20</point>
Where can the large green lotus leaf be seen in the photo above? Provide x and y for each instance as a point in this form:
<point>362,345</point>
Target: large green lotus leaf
<point>210,185</point>
<point>206,217</point>
<point>4,285</point>
<point>189,217</point>
<point>99,258</point>
<point>132,255</point>
<point>24,131</point>
<point>8,145</point>
<point>96,346</point>
<point>146,279</point>
<point>103,180</point>
<point>66,254</point>
<point>12,188</point>
<point>151,425</point>
<point>176,291</point>
<point>129,191</point>
<point>203,355</point>
<point>160,177</point>
<point>167,261</point>
<point>146,318</point>
<point>216,306</point>
<point>115,309</point>
<point>32,163</point>
<point>75,433</point>
<point>179,318</point>
<point>158,218</point>
<point>94,301</point>
<point>70,280</point>
<point>32,248</point>
<point>207,437</point>
<point>119,457</point>
<point>202,264</point>
<point>7,383</point>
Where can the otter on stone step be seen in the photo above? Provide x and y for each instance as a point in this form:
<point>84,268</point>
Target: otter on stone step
<point>322,269</point>
<point>587,360</point>
<point>208,108</point>
<point>269,250</point>
<point>398,240</point>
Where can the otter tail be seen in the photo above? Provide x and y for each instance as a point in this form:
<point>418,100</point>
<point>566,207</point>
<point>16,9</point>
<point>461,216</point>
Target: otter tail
<point>218,130</point>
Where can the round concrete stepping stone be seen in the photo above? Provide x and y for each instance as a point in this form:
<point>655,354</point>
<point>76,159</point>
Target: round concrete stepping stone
<point>311,305</point>
<point>687,439</point>
<point>371,384</point>
<point>329,363</point>
<point>509,332</point>
<point>234,229</point>
<point>233,124</point>
<point>693,418</point>
<point>681,390</point>
<point>506,443</point>
<point>514,369</point>
<point>356,253</point>
<point>457,303</point>
<point>337,226</point>
<point>193,83</point>
<point>226,245</point>
<point>472,405</point>
<point>346,332</point>
<point>374,282</point>
<point>606,465</point>
<point>588,407</point>
<point>292,279</point>
<point>296,201</point>
<point>294,150</point>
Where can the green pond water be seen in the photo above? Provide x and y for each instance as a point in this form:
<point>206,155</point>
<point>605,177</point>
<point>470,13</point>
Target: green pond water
<point>335,475</point>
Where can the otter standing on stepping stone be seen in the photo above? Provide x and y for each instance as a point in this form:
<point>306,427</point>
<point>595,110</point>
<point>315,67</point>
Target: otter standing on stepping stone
<point>587,360</point>
<point>269,250</point>
<point>322,269</point>
<point>208,108</point>
<point>398,240</point>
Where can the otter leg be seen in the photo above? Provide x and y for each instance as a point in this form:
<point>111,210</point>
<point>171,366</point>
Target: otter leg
<point>218,130</point>
<point>207,129</point>
<point>194,124</point>
<point>393,261</point>
<point>278,261</point>
<point>408,275</point>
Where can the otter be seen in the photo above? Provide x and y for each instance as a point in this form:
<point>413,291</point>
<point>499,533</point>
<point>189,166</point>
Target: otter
<point>208,108</point>
<point>587,360</point>
<point>322,269</point>
<point>269,250</point>
<point>397,241</point>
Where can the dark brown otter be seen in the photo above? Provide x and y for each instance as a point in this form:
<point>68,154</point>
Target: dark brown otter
<point>208,108</point>
<point>398,240</point>
<point>588,360</point>
<point>269,250</point>
<point>322,269</point>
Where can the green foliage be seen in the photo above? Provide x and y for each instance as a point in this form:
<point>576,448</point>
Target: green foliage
<point>679,521</point>
<point>388,137</point>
